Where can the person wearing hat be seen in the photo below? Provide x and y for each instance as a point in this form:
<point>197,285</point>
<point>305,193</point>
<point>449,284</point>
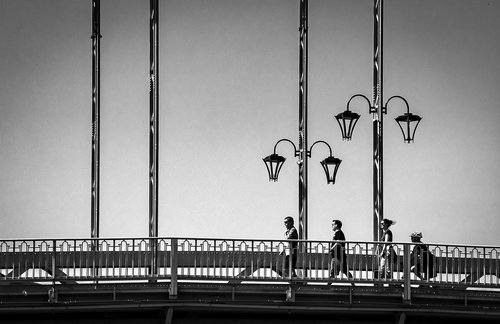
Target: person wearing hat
<point>421,259</point>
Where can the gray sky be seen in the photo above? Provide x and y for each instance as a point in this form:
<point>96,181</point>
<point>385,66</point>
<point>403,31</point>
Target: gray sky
<point>228,92</point>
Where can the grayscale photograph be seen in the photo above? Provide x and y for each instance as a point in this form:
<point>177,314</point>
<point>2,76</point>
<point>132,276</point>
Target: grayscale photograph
<point>249,161</point>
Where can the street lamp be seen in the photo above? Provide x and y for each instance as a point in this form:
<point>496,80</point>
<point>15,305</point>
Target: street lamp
<point>408,122</point>
<point>274,162</point>
<point>347,120</point>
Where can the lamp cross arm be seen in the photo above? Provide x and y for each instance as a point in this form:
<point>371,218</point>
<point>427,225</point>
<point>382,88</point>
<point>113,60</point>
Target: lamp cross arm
<point>309,152</point>
<point>295,151</point>
<point>399,97</point>
<point>371,108</point>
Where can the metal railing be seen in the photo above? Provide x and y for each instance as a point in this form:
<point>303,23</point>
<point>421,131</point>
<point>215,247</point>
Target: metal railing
<point>241,260</point>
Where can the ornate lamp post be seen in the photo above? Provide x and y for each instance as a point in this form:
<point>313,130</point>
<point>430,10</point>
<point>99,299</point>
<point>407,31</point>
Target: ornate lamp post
<point>274,162</point>
<point>96,104</point>
<point>154,128</point>
<point>154,115</point>
<point>407,122</point>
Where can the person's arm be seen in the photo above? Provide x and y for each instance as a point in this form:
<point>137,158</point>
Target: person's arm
<point>336,244</point>
<point>333,249</point>
<point>413,255</point>
<point>293,235</point>
<point>384,246</point>
<point>283,251</point>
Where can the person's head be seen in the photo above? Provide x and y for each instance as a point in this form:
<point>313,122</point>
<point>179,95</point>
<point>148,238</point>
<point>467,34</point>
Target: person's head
<point>416,236</point>
<point>336,224</point>
<point>386,223</point>
<point>288,222</point>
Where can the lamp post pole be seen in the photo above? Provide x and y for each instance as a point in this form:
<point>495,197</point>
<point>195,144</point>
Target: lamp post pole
<point>96,40</point>
<point>153,130</point>
<point>407,122</point>
<point>378,113</point>
<point>154,118</point>
<point>303,53</point>
<point>274,162</point>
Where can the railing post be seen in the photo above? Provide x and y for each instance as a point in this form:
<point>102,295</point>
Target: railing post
<point>172,291</point>
<point>406,273</point>
<point>53,268</point>
<point>153,242</point>
<point>95,265</point>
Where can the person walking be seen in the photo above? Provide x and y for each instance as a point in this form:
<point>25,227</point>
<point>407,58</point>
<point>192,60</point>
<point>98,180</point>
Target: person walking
<point>338,262</point>
<point>291,235</point>
<point>387,255</point>
<point>421,259</point>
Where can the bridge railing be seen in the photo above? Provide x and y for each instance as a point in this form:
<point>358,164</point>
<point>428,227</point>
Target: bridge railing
<point>237,260</point>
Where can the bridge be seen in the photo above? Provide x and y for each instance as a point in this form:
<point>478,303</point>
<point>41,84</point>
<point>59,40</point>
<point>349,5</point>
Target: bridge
<point>169,279</point>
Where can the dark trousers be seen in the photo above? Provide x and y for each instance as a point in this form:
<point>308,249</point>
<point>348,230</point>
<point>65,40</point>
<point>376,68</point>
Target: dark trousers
<point>338,265</point>
<point>287,266</point>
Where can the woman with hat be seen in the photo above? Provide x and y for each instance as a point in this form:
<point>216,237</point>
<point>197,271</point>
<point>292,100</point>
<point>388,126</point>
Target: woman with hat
<point>421,259</point>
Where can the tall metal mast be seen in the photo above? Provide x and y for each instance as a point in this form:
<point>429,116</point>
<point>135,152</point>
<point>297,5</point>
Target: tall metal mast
<point>96,36</point>
<point>153,120</point>
<point>303,53</point>
<point>378,112</point>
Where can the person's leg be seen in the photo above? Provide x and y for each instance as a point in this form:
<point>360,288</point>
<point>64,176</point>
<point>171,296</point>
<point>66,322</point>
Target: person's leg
<point>334,267</point>
<point>286,267</point>
<point>382,271</point>
<point>389,267</point>
<point>344,266</point>
<point>294,264</point>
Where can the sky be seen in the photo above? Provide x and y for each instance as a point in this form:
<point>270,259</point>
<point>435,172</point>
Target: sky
<point>228,93</point>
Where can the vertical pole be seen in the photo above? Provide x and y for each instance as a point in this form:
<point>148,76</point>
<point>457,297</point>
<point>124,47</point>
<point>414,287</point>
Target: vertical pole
<point>153,129</point>
<point>303,23</point>
<point>172,291</point>
<point>378,110</point>
<point>96,36</point>
<point>406,273</point>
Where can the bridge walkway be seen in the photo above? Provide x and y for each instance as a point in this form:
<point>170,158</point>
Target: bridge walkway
<point>244,274</point>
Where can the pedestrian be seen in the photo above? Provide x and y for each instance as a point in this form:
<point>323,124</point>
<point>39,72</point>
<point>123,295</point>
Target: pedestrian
<point>291,235</point>
<point>421,259</point>
<point>338,252</point>
<point>387,255</point>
